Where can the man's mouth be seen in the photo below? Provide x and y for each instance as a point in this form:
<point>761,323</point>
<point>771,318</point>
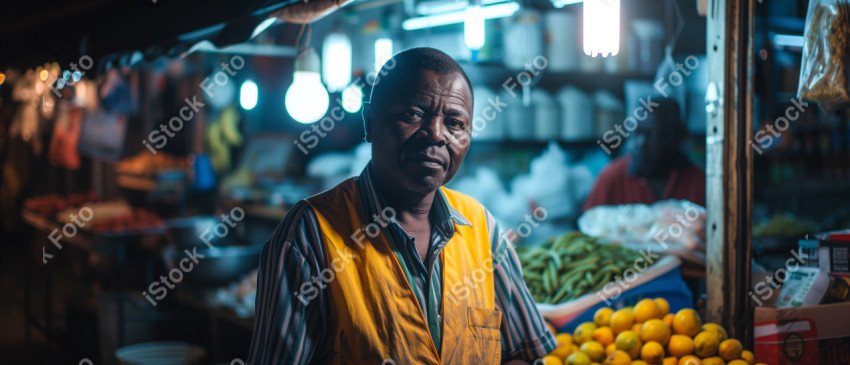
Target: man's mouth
<point>422,158</point>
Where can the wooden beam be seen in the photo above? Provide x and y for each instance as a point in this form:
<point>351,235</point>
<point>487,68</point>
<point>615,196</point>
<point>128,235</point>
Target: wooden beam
<point>729,100</point>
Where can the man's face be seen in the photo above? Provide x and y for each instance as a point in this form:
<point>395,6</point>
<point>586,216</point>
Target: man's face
<point>421,134</point>
<point>655,144</point>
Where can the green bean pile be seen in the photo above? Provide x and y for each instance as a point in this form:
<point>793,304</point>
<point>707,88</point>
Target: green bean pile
<point>571,265</point>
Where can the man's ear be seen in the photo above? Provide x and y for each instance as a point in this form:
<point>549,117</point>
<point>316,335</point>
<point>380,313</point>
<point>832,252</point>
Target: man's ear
<point>368,115</point>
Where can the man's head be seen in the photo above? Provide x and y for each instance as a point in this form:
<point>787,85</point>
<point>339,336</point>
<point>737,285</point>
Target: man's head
<point>658,139</point>
<point>419,119</point>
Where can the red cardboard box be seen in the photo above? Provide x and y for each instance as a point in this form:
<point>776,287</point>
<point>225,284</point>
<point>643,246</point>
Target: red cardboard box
<point>814,335</point>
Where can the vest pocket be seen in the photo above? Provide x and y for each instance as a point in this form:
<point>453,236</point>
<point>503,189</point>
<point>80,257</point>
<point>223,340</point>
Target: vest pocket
<point>482,342</point>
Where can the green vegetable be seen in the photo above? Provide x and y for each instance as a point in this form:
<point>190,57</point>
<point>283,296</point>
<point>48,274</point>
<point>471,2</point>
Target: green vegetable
<point>571,266</point>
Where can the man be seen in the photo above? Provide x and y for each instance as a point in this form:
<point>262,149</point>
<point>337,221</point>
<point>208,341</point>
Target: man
<point>391,267</point>
<point>657,168</point>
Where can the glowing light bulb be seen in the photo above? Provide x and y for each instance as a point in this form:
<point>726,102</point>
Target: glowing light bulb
<point>43,75</point>
<point>352,98</point>
<point>336,61</point>
<point>383,52</point>
<point>248,94</point>
<point>601,27</point>
<point>473,27</point>
<point>306,99</point>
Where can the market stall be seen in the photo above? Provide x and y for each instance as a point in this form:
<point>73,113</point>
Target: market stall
<point>662,182</point>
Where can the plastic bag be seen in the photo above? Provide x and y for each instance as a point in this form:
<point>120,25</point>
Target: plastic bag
<point>824,67</point>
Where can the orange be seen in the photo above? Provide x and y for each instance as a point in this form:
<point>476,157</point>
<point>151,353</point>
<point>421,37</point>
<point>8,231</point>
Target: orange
<point>668,319</point>
<point>578,358</point>
<point>639,362</point>
<point>622,320</point>
<point>690,360</point>
<point>645,310</point>
<point>618,358</point>
<point>717,329</point>
<point>714,360</point>
<point>730,349</point>
<point>636,328</point>
<point>629,342</point>
<point>655,330</point>
<point>680,345</point>
<point>552,360</point>
<point>748,357</point>
<point>565,345</point>
<point>593,350</point>
<point>686,322</point>
<point>737,362</point>
<point>604,335</point>
<point>705,344</point>
<point>584,332</point>
<point>663,306</point>
<point>602,317</point>
<point>610,349</point>
<point>670,361</point>
<point>652,352</point>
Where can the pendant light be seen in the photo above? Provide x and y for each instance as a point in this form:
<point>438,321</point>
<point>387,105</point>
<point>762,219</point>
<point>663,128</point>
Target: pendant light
<point>307,99</point>
<point>601,27</point>
<point>336,61</point>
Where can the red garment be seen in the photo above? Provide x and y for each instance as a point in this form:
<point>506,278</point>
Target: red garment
<point>616,186</point>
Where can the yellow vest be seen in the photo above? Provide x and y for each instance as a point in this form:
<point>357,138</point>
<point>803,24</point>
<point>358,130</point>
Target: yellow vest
<point>375,316</point>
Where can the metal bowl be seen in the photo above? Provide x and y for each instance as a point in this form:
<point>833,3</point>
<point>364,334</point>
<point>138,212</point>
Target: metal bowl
<point>222,265</point>
<point>186,232</point>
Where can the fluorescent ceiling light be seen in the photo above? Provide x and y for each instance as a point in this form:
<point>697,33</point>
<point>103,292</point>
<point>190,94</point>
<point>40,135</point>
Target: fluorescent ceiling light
<point>788,40</point>
<point>562,3</point>
<point>265,24</point>
<point>487,12</point>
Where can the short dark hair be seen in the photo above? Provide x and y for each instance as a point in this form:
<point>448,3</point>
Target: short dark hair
<point>670,115</point>
<point>409,62</point>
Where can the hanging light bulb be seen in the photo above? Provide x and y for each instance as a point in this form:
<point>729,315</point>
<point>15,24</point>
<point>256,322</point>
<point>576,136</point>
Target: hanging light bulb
<point>306,99</point>
<point>336,61</point>
<point>601,27</point>
<point>473,27</point>
<point>248,94</point>
<point>352,98</point>
<point>383,52</point>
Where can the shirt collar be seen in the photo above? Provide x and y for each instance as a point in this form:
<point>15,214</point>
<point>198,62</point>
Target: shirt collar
<point>442,215</point>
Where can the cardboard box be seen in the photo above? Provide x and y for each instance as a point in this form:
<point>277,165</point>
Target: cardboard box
<point>814,335</point>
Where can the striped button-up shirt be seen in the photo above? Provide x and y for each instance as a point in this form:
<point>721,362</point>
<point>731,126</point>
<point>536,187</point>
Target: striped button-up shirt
<point>290,330</point>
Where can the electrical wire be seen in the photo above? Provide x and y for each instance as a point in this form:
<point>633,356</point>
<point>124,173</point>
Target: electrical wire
<point>677,31</point>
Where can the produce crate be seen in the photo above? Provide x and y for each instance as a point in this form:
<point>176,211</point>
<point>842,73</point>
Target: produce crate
<point>812,335</point>
<point>663,279</point>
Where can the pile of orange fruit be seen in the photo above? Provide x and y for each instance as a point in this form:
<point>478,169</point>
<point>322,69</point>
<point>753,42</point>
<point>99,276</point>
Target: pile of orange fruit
<point>648,334</point>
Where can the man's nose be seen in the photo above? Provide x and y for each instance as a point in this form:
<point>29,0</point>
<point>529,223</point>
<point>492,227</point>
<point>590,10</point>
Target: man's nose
<point>434,130</point>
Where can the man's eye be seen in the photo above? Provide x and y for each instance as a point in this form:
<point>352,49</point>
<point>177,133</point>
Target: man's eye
<point>454,123</point>
<point>412,114</point>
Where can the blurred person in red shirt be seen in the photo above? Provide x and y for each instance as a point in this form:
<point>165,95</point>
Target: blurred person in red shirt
<point>656,168</point>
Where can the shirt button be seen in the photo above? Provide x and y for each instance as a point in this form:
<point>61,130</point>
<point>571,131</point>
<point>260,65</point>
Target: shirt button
<point>439,319</point>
